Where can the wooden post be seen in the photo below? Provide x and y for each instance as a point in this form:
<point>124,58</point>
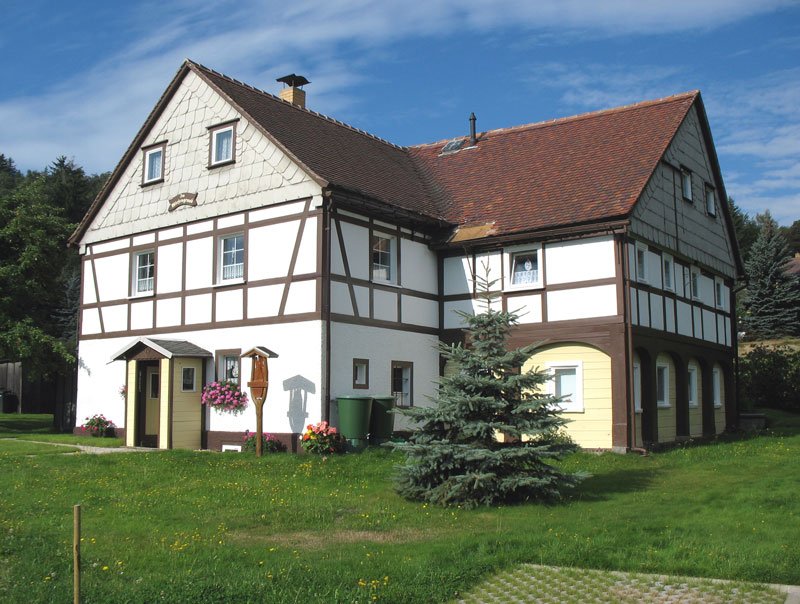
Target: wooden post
<point>259,384</point>
<point>76,554</point>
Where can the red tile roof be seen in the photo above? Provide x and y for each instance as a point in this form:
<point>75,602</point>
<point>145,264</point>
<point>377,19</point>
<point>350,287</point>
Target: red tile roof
<point>581,169</point>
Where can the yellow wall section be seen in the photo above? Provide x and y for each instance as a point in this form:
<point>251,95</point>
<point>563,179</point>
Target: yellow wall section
<point>186,409</point>
<point>696,413</point>
<point>667,426</point>
<point>590,428</point>
<point>130,415</point>
<point>163,428</point>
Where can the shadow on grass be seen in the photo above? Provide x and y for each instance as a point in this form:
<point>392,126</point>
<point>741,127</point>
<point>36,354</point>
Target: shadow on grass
<point>26,424</point>
<point>601,487</point>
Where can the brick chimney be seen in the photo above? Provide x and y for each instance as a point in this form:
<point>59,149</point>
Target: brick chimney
<point>292,92</point>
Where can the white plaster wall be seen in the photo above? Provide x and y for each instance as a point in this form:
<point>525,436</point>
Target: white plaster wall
<point>472,306</point>
<point>528,308</point>
<point>720,329</point>
<point>228,305</point>
<point>582,260</point>
<point>230,221</point>
<point>684,319</point>
<point>115,318</point>
<point>633,304</point>
<point>457,275</point>
<point>198,309</point>
<point>656,311</point>
<point>307,254</point>
<point>90,321</point>
<point>384,305</point>
<point>113,276</point>
<point>87,289</point>
<point>697,319</point>
<point>707,290</point>
<point>709,326</point>
<point>493,262</point>
<point>299,363</point>
<point>168,312</point>
<point>728,333</point>
<point>302,297</point>
<point>420,311</point>
<point>680,280</point>
<point>669,303</point>
<point>362,300</point>
<point>264,301</point>
<point>340,299</point>
<point>599,301</point>
<point>169,267</point>
<point>655,275</point>
<point>381,347</point>
<point>644,308</point>
<point>172,233</point>
<point>337,264</point>
<point>142,315</point>
<point>200,227</point>
<point>418,267</point>
<point>271,250</point>
<point>199,263</point>
<point>356,243</point>
<point>277,211</point>
<point>262,174</point>
<point>110,246</point>
<point>144,239</point>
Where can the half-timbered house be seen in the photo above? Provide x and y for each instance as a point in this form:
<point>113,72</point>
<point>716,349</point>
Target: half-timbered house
<point>237,218</point>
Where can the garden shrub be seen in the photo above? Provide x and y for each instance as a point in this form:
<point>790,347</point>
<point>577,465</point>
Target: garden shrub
<point>770,377</point>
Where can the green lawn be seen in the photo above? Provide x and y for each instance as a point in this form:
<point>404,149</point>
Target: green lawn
<point>205,527</point>
<point>39,427</point>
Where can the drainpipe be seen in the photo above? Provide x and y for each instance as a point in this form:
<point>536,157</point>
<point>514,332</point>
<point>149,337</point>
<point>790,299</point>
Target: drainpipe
<point>326,299</point>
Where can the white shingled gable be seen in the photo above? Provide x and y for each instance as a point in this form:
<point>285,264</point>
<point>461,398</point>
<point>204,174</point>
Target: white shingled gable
<point>262,174</point>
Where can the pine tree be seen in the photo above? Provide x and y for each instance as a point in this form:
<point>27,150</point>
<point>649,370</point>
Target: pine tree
<point>772,299</point>
<point>454,457</point>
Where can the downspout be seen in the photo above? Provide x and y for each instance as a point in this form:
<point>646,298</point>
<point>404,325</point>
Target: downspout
<point>629,348</point>
<point>326,299</point>
<point>735,342</point>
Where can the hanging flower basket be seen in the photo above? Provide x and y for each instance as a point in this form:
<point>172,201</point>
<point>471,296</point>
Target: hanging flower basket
<point>225,397</point>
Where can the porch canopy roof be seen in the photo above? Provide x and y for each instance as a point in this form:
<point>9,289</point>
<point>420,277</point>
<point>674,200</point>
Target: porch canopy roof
<point>165,348</point>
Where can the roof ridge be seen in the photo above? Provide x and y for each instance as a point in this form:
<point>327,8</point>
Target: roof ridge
<point>571,118</point>
<point>293,106</point>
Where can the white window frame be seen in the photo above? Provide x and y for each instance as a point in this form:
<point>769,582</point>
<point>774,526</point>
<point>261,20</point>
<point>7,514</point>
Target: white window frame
<point>183,379</point>
<point>148,158</point>
<point>136,282</point>
<point>716,387</point>
<point>360,374</point>
<point>691,383</point>
<point>686,184</point>
<point>510,254</point>
<point>637,387</point>
<point>665,402</point>
<point>215,134</point>
<point>237,276</point>
<point>222,364</point>
<point>575,405</point>
<point>719,293</point>
<point>668,268</point>
<point>695,283</point>
<point>711,200</point>
<point>375,268</point>
<point>642,272</point>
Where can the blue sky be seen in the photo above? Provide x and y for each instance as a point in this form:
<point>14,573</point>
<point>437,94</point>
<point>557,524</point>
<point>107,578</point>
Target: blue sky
<point>81,76</point>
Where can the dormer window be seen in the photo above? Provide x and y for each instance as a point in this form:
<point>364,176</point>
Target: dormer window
<point>153,164</point>
<point>222,146</point>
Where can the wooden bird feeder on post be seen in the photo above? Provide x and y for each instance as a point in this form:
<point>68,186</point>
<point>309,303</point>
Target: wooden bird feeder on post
<point>259,384</point>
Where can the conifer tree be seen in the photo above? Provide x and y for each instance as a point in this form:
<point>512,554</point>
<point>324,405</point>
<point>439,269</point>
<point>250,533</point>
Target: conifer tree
<point>772,299</point>
<point>454,456</point>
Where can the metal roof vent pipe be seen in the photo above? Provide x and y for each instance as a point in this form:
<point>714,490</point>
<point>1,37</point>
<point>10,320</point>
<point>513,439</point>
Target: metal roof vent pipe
<point>293,92</point>
<point>473,139</point>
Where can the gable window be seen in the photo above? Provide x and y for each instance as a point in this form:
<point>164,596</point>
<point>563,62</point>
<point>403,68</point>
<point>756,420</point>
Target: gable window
<point>662,385</point>
<point>719,301</point>
<point>361,373</point>
<point>641,262</point>
<point>711,206</point>
<point>524,267</point>
<point>384,258</point>
<point>716,387</point>
<point>231,260</point>
<point>144,268</point>
<point>686,184</point>
<point>694,280</point>
<point>222,147</point>
<point>402,383</point>
<point>153,164</point>
<point>692,383</point>
<point>228,365</point>
<point>669,272</point>
<point>187,379</point>
<point>567,385</point>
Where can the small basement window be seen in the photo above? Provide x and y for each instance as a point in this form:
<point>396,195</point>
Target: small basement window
<point>402,383</point>
<point>361,373</point>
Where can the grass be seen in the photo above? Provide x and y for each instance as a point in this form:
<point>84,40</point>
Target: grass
<point>181,526</point>
<point>40,428</point>
<point>10,448</point>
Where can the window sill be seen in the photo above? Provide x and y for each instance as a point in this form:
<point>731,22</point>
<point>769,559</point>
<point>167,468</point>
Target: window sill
<point>637,411</point>
<point>522,288</point>
<point>150,183</point>
<point>228,282</point>
<point>227,162</point>
<point>717,405</point>
<point>386,283</point>
<point>663,406</point>
<point>149,294</point>
<point>562,410</point>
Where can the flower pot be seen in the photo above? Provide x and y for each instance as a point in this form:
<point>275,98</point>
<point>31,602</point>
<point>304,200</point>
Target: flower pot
<point>381,423</point>
<point>354,416</point>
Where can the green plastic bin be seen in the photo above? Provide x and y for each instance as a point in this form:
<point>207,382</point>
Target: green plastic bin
<point>381,424</point>
<point>354,415</point>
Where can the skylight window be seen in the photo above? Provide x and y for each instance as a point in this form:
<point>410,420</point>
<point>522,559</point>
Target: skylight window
<point>453,145</point>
